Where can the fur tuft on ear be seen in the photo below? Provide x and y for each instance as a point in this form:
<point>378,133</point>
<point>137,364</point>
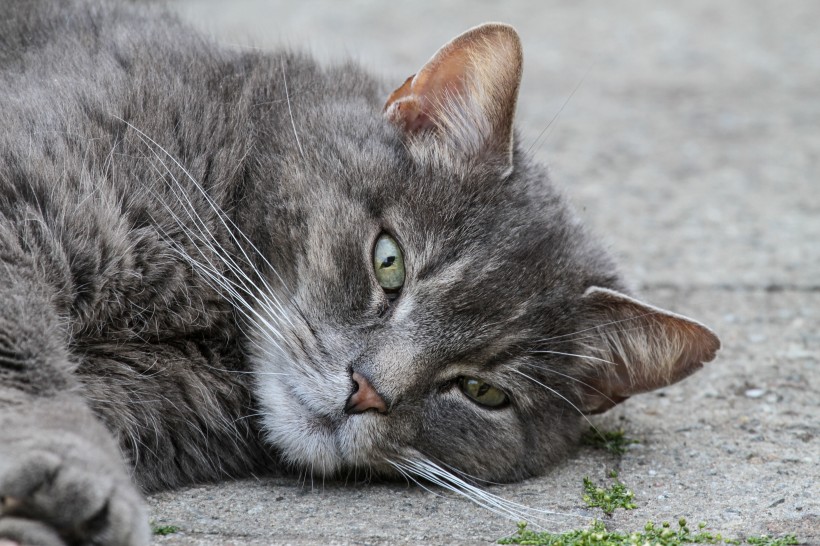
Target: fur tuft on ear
<point>637,348</point>
<point>465,94</point>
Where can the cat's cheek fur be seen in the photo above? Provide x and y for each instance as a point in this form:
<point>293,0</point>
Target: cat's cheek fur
<point>475,440</point>
<point>303,440</point>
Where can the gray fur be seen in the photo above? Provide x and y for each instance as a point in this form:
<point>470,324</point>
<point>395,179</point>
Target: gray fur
<point>185,250</point>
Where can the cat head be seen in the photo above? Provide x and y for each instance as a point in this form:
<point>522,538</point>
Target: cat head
<point>438,300</point>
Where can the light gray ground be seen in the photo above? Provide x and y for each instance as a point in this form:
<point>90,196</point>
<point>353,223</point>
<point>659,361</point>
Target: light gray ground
<point>692,144</point>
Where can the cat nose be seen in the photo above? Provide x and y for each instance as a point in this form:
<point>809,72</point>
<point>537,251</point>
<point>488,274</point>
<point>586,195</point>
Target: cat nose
<point>364,397</point>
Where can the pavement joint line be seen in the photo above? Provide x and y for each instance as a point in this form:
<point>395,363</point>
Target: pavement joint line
<point>727,287</point>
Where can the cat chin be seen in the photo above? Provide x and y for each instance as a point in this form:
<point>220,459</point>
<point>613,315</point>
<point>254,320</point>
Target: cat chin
<point>323,447</point>
<point>313,433</point>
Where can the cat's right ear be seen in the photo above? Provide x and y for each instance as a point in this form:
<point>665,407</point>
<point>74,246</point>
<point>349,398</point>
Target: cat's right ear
<point>632,347</point>
<point>465,95</point>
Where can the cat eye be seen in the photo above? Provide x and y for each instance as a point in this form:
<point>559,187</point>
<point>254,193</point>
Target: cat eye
<point>388,264</point>
<point>482,392</point>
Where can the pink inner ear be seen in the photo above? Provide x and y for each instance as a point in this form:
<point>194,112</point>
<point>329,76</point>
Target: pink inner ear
<point>405,110</point>
<point>413,105</point>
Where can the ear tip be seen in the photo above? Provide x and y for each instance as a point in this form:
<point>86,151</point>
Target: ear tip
<point>503,32</point>
<point>704,339</point>
<point>495,26</point>
<point>712,344</point>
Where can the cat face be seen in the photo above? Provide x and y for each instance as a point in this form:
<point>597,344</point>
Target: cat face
<point>442,303</point>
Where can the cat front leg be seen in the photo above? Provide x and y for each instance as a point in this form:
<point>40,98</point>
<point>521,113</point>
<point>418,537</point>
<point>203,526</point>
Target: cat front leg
<point>62,480</point>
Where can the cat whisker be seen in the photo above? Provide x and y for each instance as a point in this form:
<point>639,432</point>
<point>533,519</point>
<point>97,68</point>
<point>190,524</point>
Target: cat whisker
<point>247,285</point>
<point>544,351</point>
<point>215,276</point>
<point>266,311</point>
<point>597,326</point>
<point>272,308</point>
<point>211,273</point>
<point>248,311</point>
<point>560,110</point>
<point>262,314</point>
<point>408,475</point>
<point>450,481</point>
<point>577,380</point>
<point>465,474</point>
<point>245,309</point>
<point>232,229</point>
<point>290,110</point>
<point>556,393</point>
<point>409,479</point>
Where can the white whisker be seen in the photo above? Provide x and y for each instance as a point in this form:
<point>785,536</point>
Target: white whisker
<point>254,299</point>
<point>560,110</point>
<point>232,230</point>
<point>556,393</point>
<point>591,328</point>
<point>290,110</point>
<point>450,481</point>
<point>543,351</point>
<point>584,383</point>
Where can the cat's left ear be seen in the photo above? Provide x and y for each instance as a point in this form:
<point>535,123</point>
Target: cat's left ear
<point>633,347</point>
<point>466,94</point>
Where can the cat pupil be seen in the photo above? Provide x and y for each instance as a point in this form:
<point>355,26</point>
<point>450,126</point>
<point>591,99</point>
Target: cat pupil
<point>388,262</point>
<point>482,392</point>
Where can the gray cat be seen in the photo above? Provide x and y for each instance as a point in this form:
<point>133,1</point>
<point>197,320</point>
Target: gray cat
<point>217,263</point>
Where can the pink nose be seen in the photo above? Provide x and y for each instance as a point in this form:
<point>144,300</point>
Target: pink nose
<point>364,397</point>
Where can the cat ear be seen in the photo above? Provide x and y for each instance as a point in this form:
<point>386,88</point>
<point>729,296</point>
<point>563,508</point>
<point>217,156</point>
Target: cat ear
<point>466,93</point>
<point>636,348</point>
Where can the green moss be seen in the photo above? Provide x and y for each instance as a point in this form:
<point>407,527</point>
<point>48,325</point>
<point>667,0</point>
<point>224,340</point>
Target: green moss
<point>614,441</point>
<point>617,496</point>
<point>654,535</point>
<point>766,540</point>
<point>163,530</point>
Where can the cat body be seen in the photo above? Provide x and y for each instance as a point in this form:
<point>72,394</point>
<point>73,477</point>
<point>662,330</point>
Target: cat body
<point>216,263</point>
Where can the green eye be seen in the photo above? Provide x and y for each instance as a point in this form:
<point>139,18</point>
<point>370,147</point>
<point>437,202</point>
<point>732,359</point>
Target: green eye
<point>388,263</point>
<point>482,393</point>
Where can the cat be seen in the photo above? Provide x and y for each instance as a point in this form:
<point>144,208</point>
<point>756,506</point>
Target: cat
<point>218,263</point>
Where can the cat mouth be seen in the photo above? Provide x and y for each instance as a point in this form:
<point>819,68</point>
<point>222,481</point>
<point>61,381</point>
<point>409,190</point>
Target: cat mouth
<point>312,431</point>
<point>330,448</point>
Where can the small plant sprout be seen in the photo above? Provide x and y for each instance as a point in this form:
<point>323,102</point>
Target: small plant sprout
<point>617,496</point>
<point>613,441</point>
<point>162,530</point>
<point>652,535</point>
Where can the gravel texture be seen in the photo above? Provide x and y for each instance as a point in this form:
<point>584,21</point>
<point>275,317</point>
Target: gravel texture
<point>690,140</point>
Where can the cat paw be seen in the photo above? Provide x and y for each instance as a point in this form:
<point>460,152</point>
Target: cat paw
<point>26,532</point>
<point>54,499</point>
